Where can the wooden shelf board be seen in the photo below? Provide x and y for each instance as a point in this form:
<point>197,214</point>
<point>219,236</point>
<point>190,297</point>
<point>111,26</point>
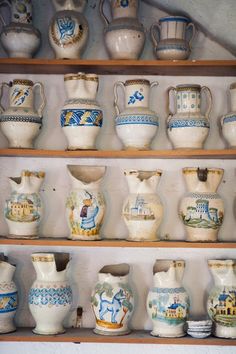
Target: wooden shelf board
<point>87,336</point>
<point>136,67</point>
<point>160,154</point>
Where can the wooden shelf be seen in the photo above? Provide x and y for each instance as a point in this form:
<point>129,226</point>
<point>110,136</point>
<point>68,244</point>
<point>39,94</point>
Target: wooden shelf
<point>87,336</point>
<point>115,67</point>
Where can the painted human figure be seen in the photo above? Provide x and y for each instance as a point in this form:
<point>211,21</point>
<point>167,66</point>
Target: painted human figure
<point>88,213</point>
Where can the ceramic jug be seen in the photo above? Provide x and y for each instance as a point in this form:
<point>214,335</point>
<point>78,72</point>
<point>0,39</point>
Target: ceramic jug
<point>168,301</point>
<point>50,296</point>
<point>85,206</point>
<point>221,302</point>
<point>142,209</point>
<point>228,121</point>
<point>20,38</point>
<point>81,115</point>
<point>136,125</point>
<point>202,209</point>
<point>8,296</point>
<point>21,121</point>
<point>169,37</point>
<point>68,30</point>
<point>112,300</point>
<point>23,209</point>
<point>124,35</point>
<point>188,127</point>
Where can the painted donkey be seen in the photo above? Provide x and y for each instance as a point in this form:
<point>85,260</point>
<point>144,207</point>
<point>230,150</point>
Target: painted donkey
<point>112,306</point>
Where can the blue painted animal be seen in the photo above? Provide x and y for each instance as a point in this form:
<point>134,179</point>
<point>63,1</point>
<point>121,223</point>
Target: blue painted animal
<point>136,96</point>
<point>112,306</point>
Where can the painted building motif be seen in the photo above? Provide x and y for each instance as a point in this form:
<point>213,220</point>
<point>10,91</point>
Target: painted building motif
<point>138,209</point>
<point>222,306</point>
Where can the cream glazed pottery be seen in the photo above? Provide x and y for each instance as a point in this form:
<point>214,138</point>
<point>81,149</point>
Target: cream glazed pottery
<point>23,210</point>
<point>68,31</point>
<point>188,128</point>
<point>136,125</point>
<point>81,115</point>
<point>202,209</point>
<point>112,300</point>
<point>171,42</point>
<point>124,35</point>
<point>21,121</point>
<point>221,302</point>
<point>50,296</point>
<point>168,301</point>
<point>85,206</point>
<point>8,296</point>
<point>20,38</point>
<point>228,121</point>
<point>142,209</point>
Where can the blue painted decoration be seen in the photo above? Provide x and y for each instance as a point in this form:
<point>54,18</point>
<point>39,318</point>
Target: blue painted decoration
<point>137,119</point>
<point>50,296</point>
<point>8,302</point>
<point>137,96</point>
<point>188,123</point>
<point>81,117</point>
<point>66,28</point>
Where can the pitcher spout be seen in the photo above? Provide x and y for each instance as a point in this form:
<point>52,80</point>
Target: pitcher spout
<point>86,176</point>
<point>29,182</point>
<point>142,181</point>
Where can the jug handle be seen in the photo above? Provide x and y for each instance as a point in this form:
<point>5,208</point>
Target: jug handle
<point>1,94</point>
<point>43,98</point>
<point>117,84</point>
<point>103,16</point>
<point>154,39</point>
<point>154,83</point>
<point>7,3</point>
<point>171,88</point>
<point>209,99</point>
<point>191,25</point>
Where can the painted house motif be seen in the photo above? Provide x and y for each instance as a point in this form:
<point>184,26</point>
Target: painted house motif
<point>21,209</point>
<point>139,211</point>
<point>226,304</point>
<point>175,310</point>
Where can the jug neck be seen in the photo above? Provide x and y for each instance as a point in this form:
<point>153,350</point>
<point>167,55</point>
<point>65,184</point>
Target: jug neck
<point>124,9</point>
<point>188,99</point>
<point>223,272</point>
<point>72,5</point>
<point>142,182</point>
<point>21,11</point>
<point>6,271</point>
<point>205,184</point>
<point>137,93</point>
<point>21,94</point>
<point>46,267</point>
<point>173,27</point>
<point>83,86</point>
<point>233,97</point>
<point>29,182</point>
<point>168,274</point>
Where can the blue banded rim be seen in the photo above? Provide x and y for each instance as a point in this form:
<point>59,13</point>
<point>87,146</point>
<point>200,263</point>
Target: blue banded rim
<point>174,19</point>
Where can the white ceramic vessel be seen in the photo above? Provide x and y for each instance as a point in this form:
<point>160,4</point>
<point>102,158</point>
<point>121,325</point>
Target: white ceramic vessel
<point>136,125</point>
<point>23,210</point>
<point>112,300</point>
<point>124,36</point>
<point>221,302</point>
<point>50,296</point>
<point>187,127</point>
<point>169,37</point>
<point>68,31</point>
<point>19,38</point>
<point>8,296</point>
<point>202,209</point>
<point>142,209</point>
<point>85,206</point>
<point>228,121</point>
<point>21,121</point>
<point>81,115</point>
<point>168,301</point>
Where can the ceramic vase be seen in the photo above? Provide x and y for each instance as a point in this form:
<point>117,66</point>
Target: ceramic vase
<point>50,296</point>
<point>169,37</point>
<point>202,209</point>
<point>221,302</point>
<point>136,125</point>
<point>8,296</point>
<point>85,206</point>
<point>142,209</point>
<point>19,38</point>
<point>21,121</point>
<point>228,121</point>
<point>168,301</point>
<point>81,115</point>
<point>124,35</point>
<point>112,300</point>
<point>23,209</point>
<point>68,30</point>
<point>188,128</point>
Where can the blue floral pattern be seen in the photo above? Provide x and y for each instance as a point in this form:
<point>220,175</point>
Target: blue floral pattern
<point>50,296</point>
<point>81,117</point>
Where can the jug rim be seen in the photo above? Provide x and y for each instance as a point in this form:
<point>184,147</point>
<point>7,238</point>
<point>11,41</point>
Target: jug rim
<point>117,270</point>
<point>183,87</point>
<point>81,76</point>
<point>137,82</point>
<point>23,82</point>
<point>137,172</point>
<point>233,86</point>
<point>187,170</point>
<point>173,18</point>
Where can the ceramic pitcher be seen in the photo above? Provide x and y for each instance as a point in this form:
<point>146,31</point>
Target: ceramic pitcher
<point>21,121</point>
<point>68,30</point>
<point>81,115</point>
<point>136,125</point>
<point>20,38</point>
<point>8,296</point>
<point>124,35</point>
<point>23,209</point>
<point>50,296</point>
<point>112,300</point>
<point>169,37</point>
<point>202,209</point>
<point>188,127</point>
<point>85,206</point>
<point>142,209</point>
<point>228,121</point>
<point>221,303</point>
<point>168,301</point>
